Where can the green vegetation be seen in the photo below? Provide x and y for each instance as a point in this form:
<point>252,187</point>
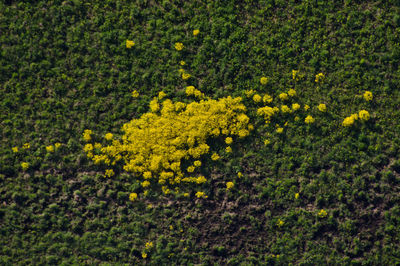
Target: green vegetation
<point>311,187</point>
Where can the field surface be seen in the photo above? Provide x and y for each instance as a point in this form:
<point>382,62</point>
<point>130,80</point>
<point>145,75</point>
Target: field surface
<point>200,132</point>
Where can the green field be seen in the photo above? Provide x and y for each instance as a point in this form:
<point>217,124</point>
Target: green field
<point>308,170</point>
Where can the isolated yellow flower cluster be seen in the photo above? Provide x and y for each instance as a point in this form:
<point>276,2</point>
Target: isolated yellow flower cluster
<point>172,134</point>
<point>350,120</point>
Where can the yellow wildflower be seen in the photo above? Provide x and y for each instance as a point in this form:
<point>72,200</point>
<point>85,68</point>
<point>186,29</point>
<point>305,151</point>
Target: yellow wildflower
<point>257,98</point>
<point>132,196</point>
<point>201,194</point>
<point>57,145</point>
<point>145,183</point>
<point>108,136</point>
<point>249,93</point>
<point>322,107</point>
<point>267,141</point>
<point>306,107</point>
<point>239,174</point>
<point>263,80</point>
<point>50,148</point>
<point>296,196</point>
<point>309,119</point>
<point>161,95</point>
<point>135,94</point>
<point>285,109</point>
<point>178,46</point>
<point>182,63</point>
<point>280,223</point>
<point>129,44</point>
<point>368,96</point>
<point>15,149</point>
<point>26,146</point>
<point>190,169</point>
<point>228,149</point>
<point>215,157</point>
<point>229,185</point>
<point>87,135</point>
<point>291,92</point>
<point>364,115</point>
<point>144,255</point>
<point>295,106</point>
<point>319,77</point>
<point>24,166</point>
<point>195,32</point>
<point>149,245</point>
<point>197,163</point>
<point>279,130</point>
<point>267,98</point>
<point>228,140</point>
<point>186,194</point>
<point>186,76</point>
<point>322,213</point>
<point>294,72</point>
<point>283,96</point>
<point>109,173</point>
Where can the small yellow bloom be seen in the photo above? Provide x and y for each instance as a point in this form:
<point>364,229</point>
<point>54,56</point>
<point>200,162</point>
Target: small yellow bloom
<point>294,72</point>
<point>186,194</point>
<point>200,194</point>
<point>108,136</point>
<point>182,63</point>
<point>229,185</point>
<point>215,157</point>
<point>149,245</point>
<point>87,135</point>
<point>197,163</point>
<point>368,96</point>
<point>15,149</point>
<point>292,92</point>
<point>145,183</point>
<point>109,173</point>
<point>279,130</point>
<point>24,166</point>
<point>161,95</point>
<point>50,148</point>
<point>57,145</point>
<point>186,76</point>
<point>283,96</point>
<point>190,169</point>
<point>178,46</point>
<point>267,141</point>
<point>228,149</point>
<point>257,98</point>
<point>267,98</point>
<point>296,196</point>
<point>322,107</point>
<point>306,107</point>
<point>133,196</point>
<point>228,140</point>
<point>309,119</point>
<point>322,213</point>
<point>249,93</point>
<point>295,106</point>
<point>196,32</point>
<point>129,44</point>
<point>135,94</point>
<point>285,109</point>
<point>263,80</point>
<point>240,174</point>
<point>144,255</point>
<point>364,115</point>
<point>26,146</point>
<point>319,77</point>
<point>280,223</point>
